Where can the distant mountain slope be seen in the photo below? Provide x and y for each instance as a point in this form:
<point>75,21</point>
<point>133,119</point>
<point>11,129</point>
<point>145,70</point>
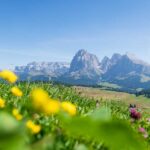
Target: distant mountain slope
<point>125,66</point>
<point>126,71</point>
<point>42,70</point>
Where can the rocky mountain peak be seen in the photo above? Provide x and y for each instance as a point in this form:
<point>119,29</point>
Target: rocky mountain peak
<point>105,59</point>
<point>84,61</point>
<point>81,52</point>
<point>105,64</point>
<point>115,57</point>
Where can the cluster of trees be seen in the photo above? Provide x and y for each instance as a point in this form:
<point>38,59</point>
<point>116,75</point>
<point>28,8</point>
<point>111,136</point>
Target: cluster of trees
<point>146,93</point>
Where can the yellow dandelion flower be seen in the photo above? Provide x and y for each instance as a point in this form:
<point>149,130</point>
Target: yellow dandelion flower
<point>52,107</point>
<point>29,124</point>
<point>33,127</point>
<point>16,114</point>
<point>9,76</point>
<point>69,108</point>
<point>2,103</point>
<point>36,129</point>
<point>43,103</point>
<point>16,91</point>
<point>39,98</point>
<point>19,117</point>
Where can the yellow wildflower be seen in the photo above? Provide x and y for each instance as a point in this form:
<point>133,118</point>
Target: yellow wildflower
<point>9,76</point>
<point>69,108</point>
<point>16,91</point>
<point>52,107</point>
<point>43,103</point>
<point>19,117</point>
<point>29,124</point>
<point>36,129</point>
<point>39,98</point>
<point>33,127</point>
<point>16,114</point>
<point>2,103</point>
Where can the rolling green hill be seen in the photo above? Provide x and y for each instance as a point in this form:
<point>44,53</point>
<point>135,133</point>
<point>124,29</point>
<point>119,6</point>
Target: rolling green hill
<point>106,95</point>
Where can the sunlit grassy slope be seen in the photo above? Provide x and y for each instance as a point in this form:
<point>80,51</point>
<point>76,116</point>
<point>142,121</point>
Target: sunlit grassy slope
<point>100,94</point>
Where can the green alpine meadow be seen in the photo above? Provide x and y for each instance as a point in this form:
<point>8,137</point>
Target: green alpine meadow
<point>72,121</point>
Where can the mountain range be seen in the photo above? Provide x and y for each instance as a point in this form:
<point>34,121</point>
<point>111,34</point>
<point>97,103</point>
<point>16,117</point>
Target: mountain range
<point>124,72</point>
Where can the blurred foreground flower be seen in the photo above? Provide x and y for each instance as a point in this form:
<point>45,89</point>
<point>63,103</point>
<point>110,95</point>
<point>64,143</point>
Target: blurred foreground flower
<point>69,108</point>
<point>16,91</point>
<point>39,98</point>
<point>16,114</point>
<point>8,76</point>
<point>33,127</point>
<point>43,103</point>
<point>52,107</point>
<point>2,103</point>
<point>144,132</point>
<point>135,114</point>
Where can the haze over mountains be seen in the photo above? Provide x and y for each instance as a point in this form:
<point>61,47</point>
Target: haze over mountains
<point>124,71</point>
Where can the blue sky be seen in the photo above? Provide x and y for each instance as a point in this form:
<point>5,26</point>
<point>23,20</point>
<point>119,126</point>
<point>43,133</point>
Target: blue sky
<point>53,30</point>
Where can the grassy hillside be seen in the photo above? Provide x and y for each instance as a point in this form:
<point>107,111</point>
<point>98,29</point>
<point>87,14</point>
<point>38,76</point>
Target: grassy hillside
<point>106,95</point>
<point>94,125</point>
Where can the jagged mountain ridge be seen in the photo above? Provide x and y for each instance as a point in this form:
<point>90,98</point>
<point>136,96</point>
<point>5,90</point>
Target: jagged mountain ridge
<point>129,73</point>
<point>38,69</point>
<point>107,62</point>
<point>45,67</point>
<point>86,69</point>
<point>125,66</point>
